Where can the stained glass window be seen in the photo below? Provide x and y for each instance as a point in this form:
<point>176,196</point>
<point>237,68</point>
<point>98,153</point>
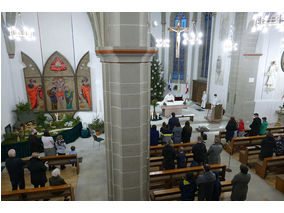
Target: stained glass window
<point>178,65</point>
<point>206,44</point>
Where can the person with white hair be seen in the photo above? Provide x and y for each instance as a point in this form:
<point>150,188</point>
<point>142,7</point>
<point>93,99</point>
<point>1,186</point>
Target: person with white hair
<point>56,180</point>
<point>37,170</point>
<point>15,167</point>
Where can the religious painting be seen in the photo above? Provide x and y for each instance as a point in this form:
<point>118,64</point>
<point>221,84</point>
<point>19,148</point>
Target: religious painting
<point>282,61</point>
<point>34,85</point>
<point>59,81</point>
<point>83,77</point>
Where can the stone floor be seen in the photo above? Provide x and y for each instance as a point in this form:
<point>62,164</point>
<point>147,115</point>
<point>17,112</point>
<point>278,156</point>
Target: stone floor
<point>92,179</point>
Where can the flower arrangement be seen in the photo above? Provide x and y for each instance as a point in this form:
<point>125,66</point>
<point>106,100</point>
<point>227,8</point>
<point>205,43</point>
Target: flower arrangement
<point>154,102</point>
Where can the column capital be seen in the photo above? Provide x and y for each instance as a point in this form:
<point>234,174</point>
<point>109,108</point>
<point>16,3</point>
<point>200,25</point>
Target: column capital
<point>125,55</point>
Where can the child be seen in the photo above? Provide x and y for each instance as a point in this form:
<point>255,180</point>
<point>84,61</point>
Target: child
<point>181,159</point>
<point>263,126</point>
<point>241,128</point>
<point>60,147</point>
<point>73,152</point>
<point>188,187</point>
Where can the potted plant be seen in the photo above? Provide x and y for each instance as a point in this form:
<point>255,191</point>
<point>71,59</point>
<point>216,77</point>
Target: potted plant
<point>154,103</point>
<point>97,125</point>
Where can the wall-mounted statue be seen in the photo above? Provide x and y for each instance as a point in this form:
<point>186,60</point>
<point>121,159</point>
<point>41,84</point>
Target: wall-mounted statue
<point>271,76</point>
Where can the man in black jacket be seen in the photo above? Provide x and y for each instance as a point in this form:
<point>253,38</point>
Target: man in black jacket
<point>38,171</point>
<point>206,183</point>
<point>35,142</point>
<point>255,126</point>
<point>199,152</point>
<point>173,121</point>
<point>15,167</point>
<point>268,145</point>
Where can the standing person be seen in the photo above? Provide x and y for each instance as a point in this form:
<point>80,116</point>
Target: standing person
<point>166,135</point>
<point>181,158</point>
<point>169,154</point>
<point>177,130</point>
<point>15,167</point>
<point>73,152</point>
<point>215,101</point>
<point>268,145</point>
<point>255,125</point>
<point>279,149</point>
<point>241,132</point>
<point>199,152</point>
<point>163,127</point>
<point>204,100</point>
<point>217,187</point>
<point>154,136</point>
<point>230,129</point>
<point>35,143</point>
<point>206,184</point>
<point>48,146</point>
<point>37,170</point>
<point>263,126</point>
<point>214,152</point>
<point>60,147</point>
<point>188,187</point>
<point>240,184</point>
<point>57,180</point>
<point>173,121</point>
<point>186,132</point>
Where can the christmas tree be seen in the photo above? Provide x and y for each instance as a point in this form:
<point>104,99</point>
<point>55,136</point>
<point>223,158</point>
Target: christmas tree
<point>157,80</point>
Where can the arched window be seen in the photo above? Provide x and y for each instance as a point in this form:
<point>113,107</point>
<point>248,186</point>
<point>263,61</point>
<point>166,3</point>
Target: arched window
<point>178,65</point>
<point>206,44</point>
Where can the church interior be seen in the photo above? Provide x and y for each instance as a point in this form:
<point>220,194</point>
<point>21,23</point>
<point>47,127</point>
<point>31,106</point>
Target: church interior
<point>107,82</point>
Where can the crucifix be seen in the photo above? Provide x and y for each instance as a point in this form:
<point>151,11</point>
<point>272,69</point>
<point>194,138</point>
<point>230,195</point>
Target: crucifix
<point>178,30</point>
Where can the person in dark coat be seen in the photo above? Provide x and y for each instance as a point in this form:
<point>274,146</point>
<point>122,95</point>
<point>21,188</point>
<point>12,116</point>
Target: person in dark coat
<point>268,146</point>
<point>173,121</point>
<point>255,125</point>
<point>188,187</point>
<point>217,187</point>
<point>186,132</point>
<point>35,142</point>
<point>154,136</point>
<point>214,152</point>
<point>230,129</point>
<point>206,183</point>
<point>177,130</point>
<point>169,154</point>
<point>240,184</point>
<point>15,167</point>
<point>199,152</point>
<point>166,135</point>
<point>57,180</point>
<point>181,158</point>
<point>279,149</point>
<point>163,127</point>
<point>37,170</point>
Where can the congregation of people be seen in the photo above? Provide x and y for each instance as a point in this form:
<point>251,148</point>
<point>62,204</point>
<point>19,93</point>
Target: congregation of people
<point>37,168</point>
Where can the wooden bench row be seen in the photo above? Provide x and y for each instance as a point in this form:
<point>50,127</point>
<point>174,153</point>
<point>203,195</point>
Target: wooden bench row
<point>174,193</point>
<point>250,151</point>
<point>157,150</point>
<point>39,193</point>
<point>59,160</point>
<point>158,161</point>
<point>242,142</point>
<point>271,163</point>
<point>170,178</point>
<point>273,129</point>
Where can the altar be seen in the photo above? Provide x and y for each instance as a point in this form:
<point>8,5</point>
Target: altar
<point>175,107</point>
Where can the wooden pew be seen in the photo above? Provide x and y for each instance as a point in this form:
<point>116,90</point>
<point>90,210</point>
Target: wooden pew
<point>247,152</point>
<point>157,150</point>
<point>242,142</point>
<point>273,129</point>
<point>169,178</point>
<point>269,163</point>
<point>59,160</point>
<point>279,183</point>
<point>158,161</point>
<point>174,193</point>
<point>39,193</point>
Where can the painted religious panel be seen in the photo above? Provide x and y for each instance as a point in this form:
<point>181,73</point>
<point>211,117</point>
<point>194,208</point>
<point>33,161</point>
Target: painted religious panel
<point>59,82</point>
<point>34,85</point>
<point>84,84</point>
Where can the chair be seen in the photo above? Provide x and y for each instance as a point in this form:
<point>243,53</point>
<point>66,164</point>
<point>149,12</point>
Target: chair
<point>97,139</point>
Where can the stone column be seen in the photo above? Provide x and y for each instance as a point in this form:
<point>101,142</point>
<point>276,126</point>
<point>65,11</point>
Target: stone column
<point>126,55</point>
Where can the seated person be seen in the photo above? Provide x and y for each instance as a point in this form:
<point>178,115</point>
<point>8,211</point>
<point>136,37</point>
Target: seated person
<point>279,150</point>
<point>267,146</point>
<point>56,180</point>
<point>154,136</point>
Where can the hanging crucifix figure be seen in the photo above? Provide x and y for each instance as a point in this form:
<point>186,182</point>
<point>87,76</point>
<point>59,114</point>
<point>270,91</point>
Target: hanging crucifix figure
<point>178,30</point>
